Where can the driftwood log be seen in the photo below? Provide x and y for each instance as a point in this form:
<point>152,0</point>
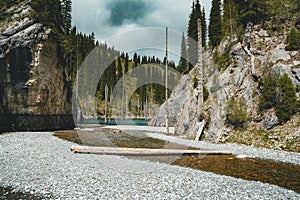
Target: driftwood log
<point>144,151</point>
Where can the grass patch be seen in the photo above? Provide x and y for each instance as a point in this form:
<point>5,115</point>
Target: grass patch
<point>286,139</point>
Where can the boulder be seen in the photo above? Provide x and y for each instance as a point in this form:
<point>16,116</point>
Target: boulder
<point>279,54</point>
<point>263,33</point>
<point>270,120</point>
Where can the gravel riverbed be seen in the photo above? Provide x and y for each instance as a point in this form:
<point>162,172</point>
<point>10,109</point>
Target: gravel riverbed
<point>42,164</point>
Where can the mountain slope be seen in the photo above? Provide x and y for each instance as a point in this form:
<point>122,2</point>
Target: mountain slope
<point>234,73</point>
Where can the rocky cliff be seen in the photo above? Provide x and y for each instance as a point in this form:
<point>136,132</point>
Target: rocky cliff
<point>35,81</point>
<point>239,77</point>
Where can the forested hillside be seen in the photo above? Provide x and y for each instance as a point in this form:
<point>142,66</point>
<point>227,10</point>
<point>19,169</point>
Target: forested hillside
<point>75,46</point>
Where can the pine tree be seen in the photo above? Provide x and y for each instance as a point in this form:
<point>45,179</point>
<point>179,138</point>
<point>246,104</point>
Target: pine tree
<point>135,59</point>
<point>268,98</point>
<point>183,65</point>
<point>139,60</point>
<point>119,69</point>
<point>48,12</point>
<point>126,66</point>
<point>66,9</point>
<point>279,93</point>
<point>229,17</point>
<point>287,104</point>
<point>198,14</point>
<point>192,50</point>
<point>293,40</point>
<point>215,25</point>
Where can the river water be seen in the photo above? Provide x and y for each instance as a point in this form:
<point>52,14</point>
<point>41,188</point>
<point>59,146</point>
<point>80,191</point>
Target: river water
<point>267,171</point>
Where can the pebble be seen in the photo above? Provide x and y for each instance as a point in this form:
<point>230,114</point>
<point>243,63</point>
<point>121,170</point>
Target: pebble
<point>44,165</point>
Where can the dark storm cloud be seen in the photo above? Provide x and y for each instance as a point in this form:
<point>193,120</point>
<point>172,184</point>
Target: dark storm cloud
<point>127,11</point>
<point>113,19</point>
<point>110,17</point>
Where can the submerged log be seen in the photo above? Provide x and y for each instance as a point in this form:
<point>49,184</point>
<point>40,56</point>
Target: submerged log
<point>144,151</point>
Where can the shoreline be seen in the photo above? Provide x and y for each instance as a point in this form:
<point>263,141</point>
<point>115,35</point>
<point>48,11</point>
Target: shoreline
<point>237,149</point>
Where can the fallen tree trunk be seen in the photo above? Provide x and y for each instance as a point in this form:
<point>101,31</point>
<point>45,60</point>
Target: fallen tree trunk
<point>144,151</point>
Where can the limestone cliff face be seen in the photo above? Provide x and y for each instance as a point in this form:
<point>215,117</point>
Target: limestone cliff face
<point>239,78</point>
<point>34,79</point>
<point>174,104</point>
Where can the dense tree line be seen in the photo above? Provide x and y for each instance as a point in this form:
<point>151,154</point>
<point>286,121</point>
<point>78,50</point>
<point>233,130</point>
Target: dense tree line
<point>117,65</point>
<point>238,13</point>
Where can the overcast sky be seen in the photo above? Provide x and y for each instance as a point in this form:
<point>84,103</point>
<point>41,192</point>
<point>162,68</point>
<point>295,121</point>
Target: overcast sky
<point>115,21</point>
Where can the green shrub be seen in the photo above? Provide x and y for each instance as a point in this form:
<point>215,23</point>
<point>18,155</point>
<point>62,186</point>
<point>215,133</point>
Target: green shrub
<point>236,114</point>
<point>298,88</point>
<point>293,40</point>
<point>222,61</point>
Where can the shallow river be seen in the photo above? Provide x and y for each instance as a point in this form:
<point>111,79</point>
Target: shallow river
<point>267,171</point>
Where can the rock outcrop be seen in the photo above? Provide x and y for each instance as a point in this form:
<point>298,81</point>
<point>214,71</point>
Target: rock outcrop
<point>239,78</point>
<point>35,92</point>
<point>174,103</point>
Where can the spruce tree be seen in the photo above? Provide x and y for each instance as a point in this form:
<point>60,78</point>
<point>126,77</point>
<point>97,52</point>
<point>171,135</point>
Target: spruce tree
<point>192,50</point>
<point>126,66</point>
<point>135,59</point>
<point>66,9</point>
<point>119,69</point>
<point>48,12</point>
<point>112,74</point>
<point>183,65</point>
<point>287,104</point>
<point>192,40</point>
<point>198,14</point>
<point>268,98</point>
<point>215,25</point>
<point>293,40</point>
<point>139,60</point>
<point>229,17</point>
<point>279,93</point>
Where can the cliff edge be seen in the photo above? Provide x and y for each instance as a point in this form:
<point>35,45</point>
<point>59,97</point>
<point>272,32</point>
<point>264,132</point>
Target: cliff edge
<point>35,82</point>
